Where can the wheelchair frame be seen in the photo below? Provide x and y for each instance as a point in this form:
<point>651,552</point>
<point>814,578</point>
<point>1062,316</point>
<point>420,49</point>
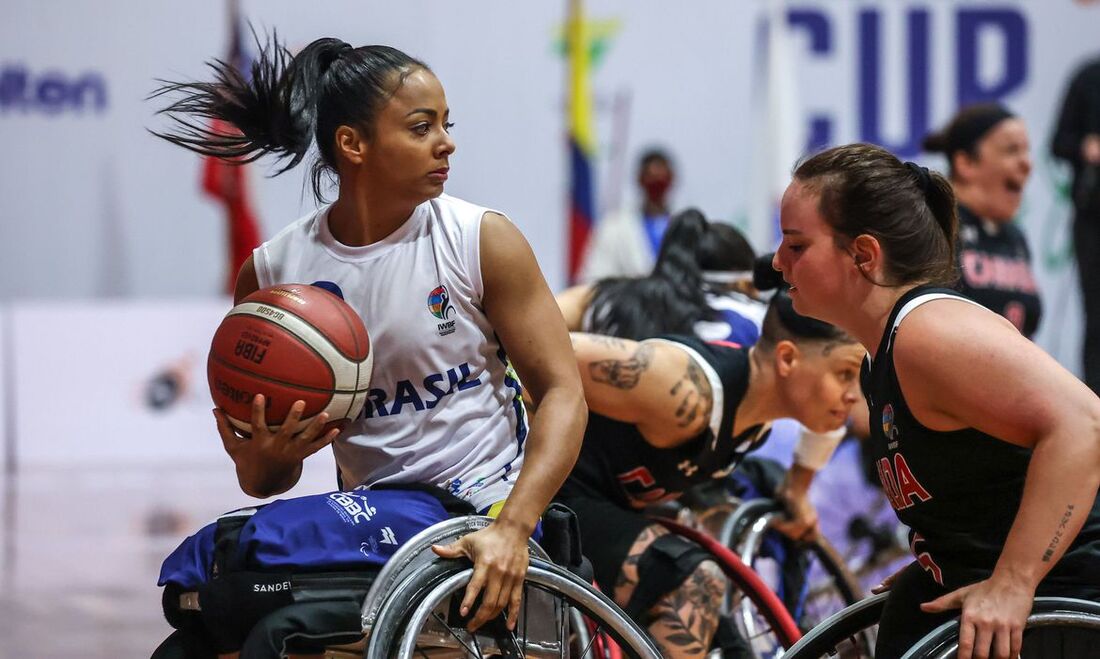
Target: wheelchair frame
<point>415,581</point>
<point>942,642</point>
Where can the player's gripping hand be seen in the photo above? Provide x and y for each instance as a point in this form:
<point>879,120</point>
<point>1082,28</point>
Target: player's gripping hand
<point>801,521</point>
<point>267,459</point>
<point>994,613</point>
<point>499,554</point>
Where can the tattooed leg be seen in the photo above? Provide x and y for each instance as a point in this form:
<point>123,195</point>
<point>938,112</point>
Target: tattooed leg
<point>684,621</point>
<point>628,575</point>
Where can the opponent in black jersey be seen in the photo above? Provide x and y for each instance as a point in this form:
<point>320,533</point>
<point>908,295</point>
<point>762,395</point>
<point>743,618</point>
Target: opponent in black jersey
<point>986,446</point>
<point>987,153</point>
<point>666,414</point>
<point>995,270</point>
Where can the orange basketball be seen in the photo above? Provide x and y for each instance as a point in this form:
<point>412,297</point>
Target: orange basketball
<point>290,342</point>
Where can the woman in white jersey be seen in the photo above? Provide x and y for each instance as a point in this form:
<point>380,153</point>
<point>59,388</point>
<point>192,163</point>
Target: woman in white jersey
<point>450,293</point>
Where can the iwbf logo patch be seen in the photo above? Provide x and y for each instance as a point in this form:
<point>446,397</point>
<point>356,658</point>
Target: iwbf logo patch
<point>888,427</point>
<point>439,304</point>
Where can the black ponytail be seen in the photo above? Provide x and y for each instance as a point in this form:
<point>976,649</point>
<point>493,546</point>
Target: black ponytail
<point>672,298</point>
<point>679,256</point>
<point>290,101</point>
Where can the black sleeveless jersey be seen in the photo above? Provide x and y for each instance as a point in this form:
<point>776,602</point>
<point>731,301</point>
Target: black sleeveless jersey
<point>995,271</point>
<point>957,491</point>
<point>617,463</point>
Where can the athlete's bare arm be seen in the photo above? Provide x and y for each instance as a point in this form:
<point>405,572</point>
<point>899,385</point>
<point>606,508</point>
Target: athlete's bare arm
<point>522,311</point>
<point>247,281</point>
<point>978,371</point>
<point>573,302</point>
<point>269,463</point>
<point>655,385</point>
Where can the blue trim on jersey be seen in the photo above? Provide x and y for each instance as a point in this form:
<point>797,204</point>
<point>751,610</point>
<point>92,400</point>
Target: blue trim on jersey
<point>517,405</point>
<point>742,330</point>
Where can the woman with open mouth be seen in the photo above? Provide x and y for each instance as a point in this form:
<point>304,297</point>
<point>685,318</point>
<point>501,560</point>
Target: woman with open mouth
<point>988,162</point>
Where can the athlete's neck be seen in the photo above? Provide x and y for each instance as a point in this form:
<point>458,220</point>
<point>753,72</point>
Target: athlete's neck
<point>761,402</point>
<point>654,209</point>
<point>867,322</point>
<point>977,200</point>
<point>356,219</point>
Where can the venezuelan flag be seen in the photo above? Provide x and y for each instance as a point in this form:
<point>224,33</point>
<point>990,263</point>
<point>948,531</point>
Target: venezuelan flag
<point>582,138</point>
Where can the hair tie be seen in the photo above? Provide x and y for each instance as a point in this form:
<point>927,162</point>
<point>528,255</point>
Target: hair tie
<point>334,54</point>
<point>924,179</point>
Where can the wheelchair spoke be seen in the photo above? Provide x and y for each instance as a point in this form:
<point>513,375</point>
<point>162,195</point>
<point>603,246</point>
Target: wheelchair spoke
<point>523,605</point>
<point>477,646</point>
<point>472,652</point>
<point>563,632</point>
<point>595,635</point>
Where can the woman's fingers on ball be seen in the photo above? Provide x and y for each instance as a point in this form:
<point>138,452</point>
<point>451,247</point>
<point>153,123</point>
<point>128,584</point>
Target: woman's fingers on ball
<point>259,419</point>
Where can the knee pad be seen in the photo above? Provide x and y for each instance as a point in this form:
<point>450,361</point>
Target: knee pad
<point>664,565</point>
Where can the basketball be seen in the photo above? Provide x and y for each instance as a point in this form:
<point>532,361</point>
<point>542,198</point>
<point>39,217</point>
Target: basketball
<point>290,342</point>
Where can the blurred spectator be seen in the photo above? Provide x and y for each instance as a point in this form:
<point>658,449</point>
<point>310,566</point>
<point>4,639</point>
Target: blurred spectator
<point>625,243</point>
<point>1077,141</point>
<point>989,164</point>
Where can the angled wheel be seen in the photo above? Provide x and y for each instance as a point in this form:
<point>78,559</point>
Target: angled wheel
<point>1057,627</point>
<point>761,617</point>
<point>843,634</point>
<point>809,577</point>
<point>562,616</point>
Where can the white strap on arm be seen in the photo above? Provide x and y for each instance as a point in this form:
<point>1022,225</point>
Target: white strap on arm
<point>814,449</point>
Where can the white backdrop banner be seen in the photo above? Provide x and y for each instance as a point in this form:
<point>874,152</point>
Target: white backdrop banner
<point>108,384</point>
<point>94,206</point>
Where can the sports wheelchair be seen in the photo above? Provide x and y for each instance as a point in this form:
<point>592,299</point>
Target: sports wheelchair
<point>411,608</point>
<point>779,588</point>
<point>809,577</point>
<point>1057,627</point>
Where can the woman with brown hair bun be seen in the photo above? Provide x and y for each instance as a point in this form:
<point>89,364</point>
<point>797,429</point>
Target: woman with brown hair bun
<point>988,161</point>
<point>986,447</point>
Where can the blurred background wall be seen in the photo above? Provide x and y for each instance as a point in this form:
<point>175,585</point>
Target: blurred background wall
<point>113,260</point>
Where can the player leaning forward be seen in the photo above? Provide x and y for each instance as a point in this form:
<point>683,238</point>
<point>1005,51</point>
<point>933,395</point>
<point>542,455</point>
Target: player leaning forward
<point>444,287</point>
<point>988,449</point>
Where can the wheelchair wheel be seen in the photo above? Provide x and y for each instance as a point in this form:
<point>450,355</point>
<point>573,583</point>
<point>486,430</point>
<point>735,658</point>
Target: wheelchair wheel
<point>761,618</point>
<point>813,584</point>
<point>844,634</point>
<point>1057,627</point>
<point>562,616</point>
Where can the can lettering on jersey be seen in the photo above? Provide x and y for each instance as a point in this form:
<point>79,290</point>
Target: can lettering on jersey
<point>900,483</point>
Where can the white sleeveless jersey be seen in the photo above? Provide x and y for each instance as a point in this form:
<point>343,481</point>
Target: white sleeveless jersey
<point>444,406</point>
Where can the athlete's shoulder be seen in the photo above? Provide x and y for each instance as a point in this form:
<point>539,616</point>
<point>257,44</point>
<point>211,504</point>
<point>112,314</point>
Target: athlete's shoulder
<point>720,354</point>
<point>303,226</point>
<point>948,325</point>
<point>455,205</point>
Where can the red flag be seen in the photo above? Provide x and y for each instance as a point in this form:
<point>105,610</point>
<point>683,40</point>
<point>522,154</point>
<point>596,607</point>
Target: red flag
<point>228,182</point>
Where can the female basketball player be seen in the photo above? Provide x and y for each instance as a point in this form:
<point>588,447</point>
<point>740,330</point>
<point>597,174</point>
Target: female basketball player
<point>450,292</point>
<point>666,415</point>
<point>987,448</point>
<point>988,160</point>
<point>696,287</point>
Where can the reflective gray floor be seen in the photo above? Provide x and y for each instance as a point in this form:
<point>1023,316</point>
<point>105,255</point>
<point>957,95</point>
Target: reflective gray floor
<point>80,552</point>
<point>80,549</point>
